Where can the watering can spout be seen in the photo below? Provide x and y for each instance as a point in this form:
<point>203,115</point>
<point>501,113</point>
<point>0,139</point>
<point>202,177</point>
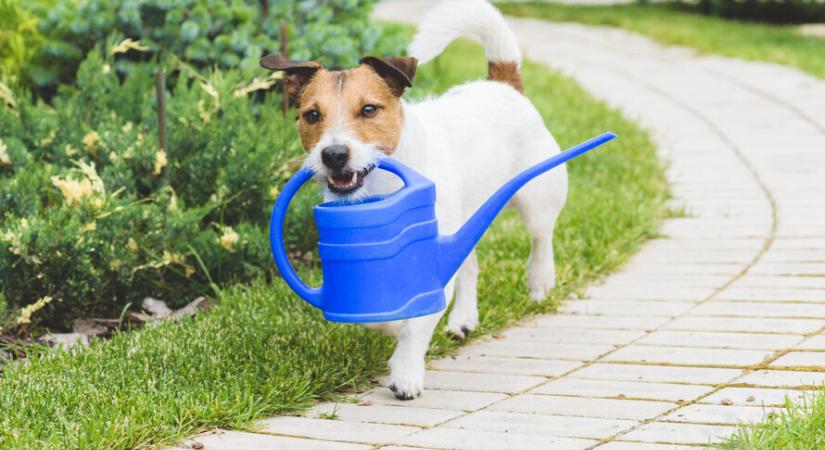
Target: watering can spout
<point>454,248</point>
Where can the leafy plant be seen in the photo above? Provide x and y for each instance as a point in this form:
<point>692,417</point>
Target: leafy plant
<point>775,11</point>
<point>98,214</point>
<point>19,38</point>
<point>208,33</point>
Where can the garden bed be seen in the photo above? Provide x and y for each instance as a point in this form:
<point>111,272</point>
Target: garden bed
<point>263,351</point>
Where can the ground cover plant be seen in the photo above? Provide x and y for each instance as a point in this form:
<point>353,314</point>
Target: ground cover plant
<point>263,351</point>
<point>228,34</point>
<point>800,426</point>
<point>670,25</point>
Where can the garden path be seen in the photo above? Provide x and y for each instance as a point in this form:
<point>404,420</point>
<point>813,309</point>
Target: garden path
<point>709,326</point>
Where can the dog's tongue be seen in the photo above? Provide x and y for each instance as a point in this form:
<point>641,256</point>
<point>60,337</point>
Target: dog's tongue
<point>344,181</point>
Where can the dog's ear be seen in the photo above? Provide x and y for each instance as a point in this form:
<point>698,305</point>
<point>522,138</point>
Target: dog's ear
<point>296,73</point>
<point>398,72</point>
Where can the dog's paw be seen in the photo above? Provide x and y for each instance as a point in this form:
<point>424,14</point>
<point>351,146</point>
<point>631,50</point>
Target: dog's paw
<point>460,334</point>
<point>406,382</point>
<point>461,323</point>
<point>540,289</point>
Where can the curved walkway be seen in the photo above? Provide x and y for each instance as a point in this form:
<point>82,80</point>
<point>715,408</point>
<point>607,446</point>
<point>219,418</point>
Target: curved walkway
<point>709,326</point>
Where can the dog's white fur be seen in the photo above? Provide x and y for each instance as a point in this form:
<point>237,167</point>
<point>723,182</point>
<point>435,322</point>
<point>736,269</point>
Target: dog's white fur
<point>469,141</point>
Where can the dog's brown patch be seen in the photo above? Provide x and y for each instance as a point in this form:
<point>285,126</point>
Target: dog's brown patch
<point>340,97</point>
<point>505,72</point>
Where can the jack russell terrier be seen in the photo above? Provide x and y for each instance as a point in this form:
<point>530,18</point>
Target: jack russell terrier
<point>469,141</point>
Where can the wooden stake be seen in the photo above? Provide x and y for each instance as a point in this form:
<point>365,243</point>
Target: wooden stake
<point>284,53</point>
<point>160,96</point>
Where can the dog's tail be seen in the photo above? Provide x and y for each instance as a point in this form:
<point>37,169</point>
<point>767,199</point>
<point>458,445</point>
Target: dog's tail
<point>474,18</point>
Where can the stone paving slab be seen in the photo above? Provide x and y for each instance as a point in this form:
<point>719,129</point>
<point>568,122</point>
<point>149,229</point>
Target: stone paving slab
<point>688,356</point>
<point>671,392</point>
<point>783,378</point>
<point>624,445</point>
<point>813,343</point>
<point>721,414</point>
<point>554,425</point>
<point>801,359</point>
<point>511,366</point>
<point>679,433</point>
<point>583,406</point>
<point>572,335</point>
<point>480,382</point>
<point>725,340</point>
<point>335,430</point>
<point>538,350</point>
<point>656,374</point>
<point>748,396</point>
<point>440,399</point>
<point>710,325</point>
<point>490,440</point>
<point>234,440</point>
<point>390,415</point>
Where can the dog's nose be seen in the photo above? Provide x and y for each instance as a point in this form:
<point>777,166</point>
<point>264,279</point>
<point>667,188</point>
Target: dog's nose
<point>335,156</point>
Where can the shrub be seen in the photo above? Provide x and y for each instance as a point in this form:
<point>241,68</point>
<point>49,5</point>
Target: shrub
<point>19,38</point>
<point>207,33</point>
<point>776,11</point>
<point>96,215</point>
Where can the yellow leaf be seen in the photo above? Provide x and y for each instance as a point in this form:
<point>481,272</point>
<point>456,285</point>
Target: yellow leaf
<point>126,45</point>
<point>160,161</point>
<point>228,239</point>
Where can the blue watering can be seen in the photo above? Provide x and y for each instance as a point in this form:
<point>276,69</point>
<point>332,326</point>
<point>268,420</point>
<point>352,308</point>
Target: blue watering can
<point>382,257</point>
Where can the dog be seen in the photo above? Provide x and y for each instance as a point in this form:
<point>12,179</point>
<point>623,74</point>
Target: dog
<point>469,141</point>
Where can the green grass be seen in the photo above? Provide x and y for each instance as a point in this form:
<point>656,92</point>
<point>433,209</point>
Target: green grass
<point>799,426</point>
<point>672,26</point>
<point>263,351</point>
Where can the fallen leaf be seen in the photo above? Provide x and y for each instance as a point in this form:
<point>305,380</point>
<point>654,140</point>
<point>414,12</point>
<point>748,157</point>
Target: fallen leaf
<point>366,403</point>
<point>727,401</point>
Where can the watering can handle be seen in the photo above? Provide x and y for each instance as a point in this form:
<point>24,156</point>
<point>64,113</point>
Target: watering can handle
<point>276,239</point>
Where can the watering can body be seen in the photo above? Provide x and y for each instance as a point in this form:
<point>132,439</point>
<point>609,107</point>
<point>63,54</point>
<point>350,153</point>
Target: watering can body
<point>382,257</point>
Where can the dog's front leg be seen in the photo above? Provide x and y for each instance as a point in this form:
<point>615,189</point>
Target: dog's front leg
<point>407,365</point>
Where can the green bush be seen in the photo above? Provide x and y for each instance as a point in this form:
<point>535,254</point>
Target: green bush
<point>207,33</point>
<point>774,11</point>
<point>19,38</point>
<point>96,215</point>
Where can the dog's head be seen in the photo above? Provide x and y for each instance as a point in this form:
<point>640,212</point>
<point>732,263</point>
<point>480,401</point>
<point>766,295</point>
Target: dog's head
<point>346,119</point>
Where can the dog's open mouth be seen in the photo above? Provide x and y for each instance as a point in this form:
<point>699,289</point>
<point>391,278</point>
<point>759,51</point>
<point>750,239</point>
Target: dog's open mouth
<point>347,181</point>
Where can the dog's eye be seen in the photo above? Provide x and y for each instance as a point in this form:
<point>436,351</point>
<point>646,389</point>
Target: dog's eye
<point>369,111</point>
<point>312,116</point>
